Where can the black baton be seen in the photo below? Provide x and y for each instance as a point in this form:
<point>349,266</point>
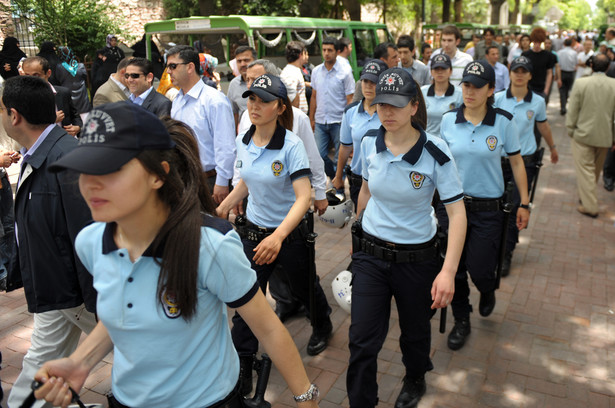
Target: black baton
<point>538,155</point>
<point>310,241</point>
<point>31,399</point>
<point>507,208</point>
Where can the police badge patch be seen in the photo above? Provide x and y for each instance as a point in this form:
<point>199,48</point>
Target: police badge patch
<point>169,305</point>
<point>530,114</point>
<point>451,106</point>
<point>277,167</point>
<point>417,179</point>
<point>492,142</point>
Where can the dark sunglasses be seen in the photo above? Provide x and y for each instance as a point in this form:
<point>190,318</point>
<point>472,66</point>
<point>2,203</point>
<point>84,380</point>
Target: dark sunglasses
<point>173,65</point>
<point>133,76</point>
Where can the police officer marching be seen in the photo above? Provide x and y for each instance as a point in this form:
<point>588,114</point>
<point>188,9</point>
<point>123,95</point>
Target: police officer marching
<point>477,135</point>
<point>441,96</point>
<point>358,118</point>
<point>275,171</point>
<point>395,253</point>
<point>528,108</point>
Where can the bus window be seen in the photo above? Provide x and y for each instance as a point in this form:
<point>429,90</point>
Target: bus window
<point>332,33</point>
<point>273,44</point>
<point>364,45</point>
<point>382,36</point>
<point>310,40</point>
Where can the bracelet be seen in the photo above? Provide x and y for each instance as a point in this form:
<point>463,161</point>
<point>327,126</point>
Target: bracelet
<point>310,395</point>
<point>524,206</point>
<point>551,147</point>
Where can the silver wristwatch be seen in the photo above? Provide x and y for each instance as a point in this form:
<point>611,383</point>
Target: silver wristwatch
<point>310,395</point>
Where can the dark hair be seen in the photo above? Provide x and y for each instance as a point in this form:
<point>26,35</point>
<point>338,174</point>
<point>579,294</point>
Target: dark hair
<point>331,41</point>
<point>538,35</point>
<point>293,51</point>
<point>599,63</point>
<point>244,48</point>
<point>568,42</point>
<point>405,41</point>
<point>122,64</point>
<point>451,29</point>
<point>144,64</point>
<point>420,117</point>
<point>489,30</point>
<point>343,43</point>
<point>186,193</point>
<point>39,60</point>
<point>287,117</point>
<point>382,49</point>
<point>424,46</point>
<point>31,97</point>
<point>490,48</point>
<point>491,99</point>
<point>187,54</point>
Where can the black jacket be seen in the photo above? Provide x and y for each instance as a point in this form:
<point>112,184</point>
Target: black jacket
<point>157,103</point>
<point>64,102</point>
<point>49,212</point>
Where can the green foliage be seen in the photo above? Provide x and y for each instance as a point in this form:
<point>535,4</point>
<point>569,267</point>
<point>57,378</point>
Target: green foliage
<point>181,8</point>
<point>271,8</point>
<point>577,13</point>
<point>83,25</point>
<point>605,9</point>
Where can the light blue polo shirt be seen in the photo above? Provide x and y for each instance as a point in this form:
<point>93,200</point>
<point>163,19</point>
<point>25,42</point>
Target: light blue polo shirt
<point>269,172</point>
<point>439,105</point>
<point>525,113</point>
<point>160,360</point>
<point>478,149</point>
<point>331,86</point>
<point>402,187</point>
<point>355,123</point>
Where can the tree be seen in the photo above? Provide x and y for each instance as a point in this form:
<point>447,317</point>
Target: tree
<point>495,10</point>
<point>82,25</point>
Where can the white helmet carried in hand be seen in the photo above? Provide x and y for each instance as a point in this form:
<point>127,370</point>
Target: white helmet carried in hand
<point>339,211</point>
<point>342,291</point>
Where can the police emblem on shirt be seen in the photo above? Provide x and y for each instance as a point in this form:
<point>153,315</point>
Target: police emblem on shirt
<point>492,142</point>
<point>277,167</point>
<point>530,114</point>
<point>169,305</point>
<point>417,179</point>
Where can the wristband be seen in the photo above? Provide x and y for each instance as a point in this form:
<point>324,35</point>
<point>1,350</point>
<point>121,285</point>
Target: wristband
<point>524,206</point>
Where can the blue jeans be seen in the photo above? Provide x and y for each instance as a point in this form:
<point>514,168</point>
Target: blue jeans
<point>325,134</point>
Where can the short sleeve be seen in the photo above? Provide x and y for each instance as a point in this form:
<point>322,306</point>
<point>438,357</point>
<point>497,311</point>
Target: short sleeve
<point>297,160</point>
<point>290,82</point>
<point>366,144</point>
<point>447,180</point>
<point>345,130</point>
<point>511,138</point>
<point>228,275</point>
<point>349,83</point>
<point>541,109</point>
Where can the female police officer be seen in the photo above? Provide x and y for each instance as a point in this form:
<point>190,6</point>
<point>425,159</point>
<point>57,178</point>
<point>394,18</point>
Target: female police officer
<point>358,119</point>
<point>275,171</point>
<point>441,96</point>
<point>165,270</point>
<point>528,108</point>
<point>477,134</point>
<point>395,253</point>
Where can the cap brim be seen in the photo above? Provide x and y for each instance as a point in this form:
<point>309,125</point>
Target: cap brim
<point>434,66</point>
<point>514,67</point>
<point>474,80</point>
<point>399,101</point>
<point>261,93</point>
<point>370,77</point>
<point>96,160</point>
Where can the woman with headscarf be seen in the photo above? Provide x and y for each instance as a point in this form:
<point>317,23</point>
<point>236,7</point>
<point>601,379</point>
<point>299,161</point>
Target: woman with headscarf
<point>49,52</point>
<point>72,74</point>
<point>10,56</point>
<point>106,62</point>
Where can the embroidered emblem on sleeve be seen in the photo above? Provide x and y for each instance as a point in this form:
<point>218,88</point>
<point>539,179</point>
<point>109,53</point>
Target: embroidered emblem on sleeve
<point>417,179</point>
<point>277,167</point>
<point>492,142</point>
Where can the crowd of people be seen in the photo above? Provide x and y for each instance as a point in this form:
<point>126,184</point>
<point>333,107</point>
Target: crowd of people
<point>119,229</point>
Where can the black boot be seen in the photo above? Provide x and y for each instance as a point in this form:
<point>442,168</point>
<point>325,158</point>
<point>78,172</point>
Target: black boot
<point>411,392</point>
<point>486,303</point>
<point>246,363</point>
<point>457,336</point>
<point>506,264</point>
<point>320,339</point>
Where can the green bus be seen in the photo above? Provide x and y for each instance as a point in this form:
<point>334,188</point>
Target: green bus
<point>269,36</point>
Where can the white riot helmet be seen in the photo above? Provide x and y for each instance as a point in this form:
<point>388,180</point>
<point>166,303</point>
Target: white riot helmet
<point>342,291</point>
<point>338,212</point>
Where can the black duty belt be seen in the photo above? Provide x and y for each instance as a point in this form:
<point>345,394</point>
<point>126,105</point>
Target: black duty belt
<point>398,253</point>
<point>528,160</point>
<point>253,232</point>
<point>353,178</point>
<point>474,204</point>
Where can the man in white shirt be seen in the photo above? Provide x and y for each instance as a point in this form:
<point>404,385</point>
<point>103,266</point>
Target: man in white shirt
<point>344,50</point>
<point>451,37</point>
<point>582,67</point>
<point>292,76</point>
<point>568,65</point>
<point>208,113</point>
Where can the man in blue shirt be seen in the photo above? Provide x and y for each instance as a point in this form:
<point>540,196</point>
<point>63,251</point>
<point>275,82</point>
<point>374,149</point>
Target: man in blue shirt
<point>208,112</point>
<point>501,72</point>
<point>332,90</point>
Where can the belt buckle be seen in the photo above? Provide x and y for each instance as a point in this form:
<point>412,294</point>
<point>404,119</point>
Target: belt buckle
<point>389,254</point>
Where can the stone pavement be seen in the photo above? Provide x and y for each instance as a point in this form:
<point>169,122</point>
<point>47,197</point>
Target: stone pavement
<point>549,343</point>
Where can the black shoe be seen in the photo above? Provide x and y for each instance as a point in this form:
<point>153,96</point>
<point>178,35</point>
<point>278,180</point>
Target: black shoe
<point>563,112</point>
<point>457,336</point>
<point>506,264</point>
<point>319,340</point>
<point>411,392</point>
<point>286,310</point>
<point>487,303</point>
<point>245,374</point>
<point>609,183</point>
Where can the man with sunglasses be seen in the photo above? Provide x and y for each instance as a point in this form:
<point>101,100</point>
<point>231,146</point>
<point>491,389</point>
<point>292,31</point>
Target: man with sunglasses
<point>139,76</point>
<point>208,112</point>
<point>115,89</point>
